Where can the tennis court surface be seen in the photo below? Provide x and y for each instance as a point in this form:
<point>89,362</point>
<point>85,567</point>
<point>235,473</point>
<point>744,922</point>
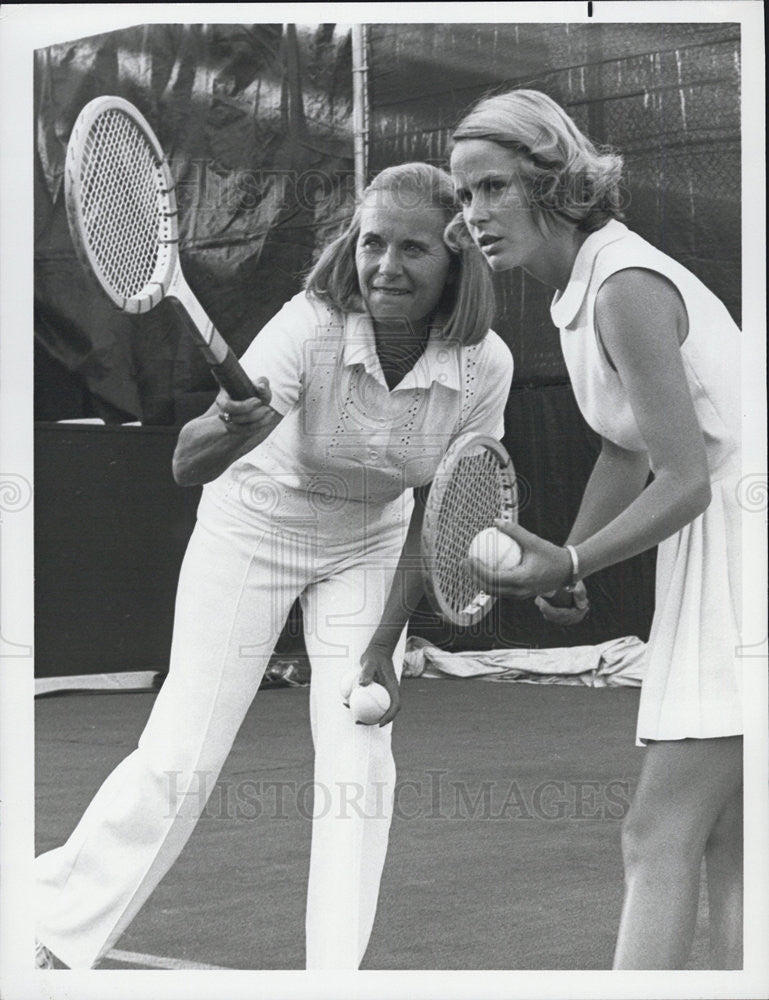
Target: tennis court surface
<point>504,851</point>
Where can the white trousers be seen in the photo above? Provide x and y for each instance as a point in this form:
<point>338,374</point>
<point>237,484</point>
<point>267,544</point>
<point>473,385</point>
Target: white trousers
<point>255,548</point>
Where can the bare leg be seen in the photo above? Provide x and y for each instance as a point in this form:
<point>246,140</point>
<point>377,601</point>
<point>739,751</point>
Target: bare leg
<point>723,859</point>
<point>684,787</point>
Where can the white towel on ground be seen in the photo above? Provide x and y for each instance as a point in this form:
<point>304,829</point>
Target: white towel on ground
<point>616,663</point>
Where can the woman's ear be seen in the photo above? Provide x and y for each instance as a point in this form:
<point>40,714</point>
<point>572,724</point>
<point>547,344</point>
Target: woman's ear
<point>456,234</point>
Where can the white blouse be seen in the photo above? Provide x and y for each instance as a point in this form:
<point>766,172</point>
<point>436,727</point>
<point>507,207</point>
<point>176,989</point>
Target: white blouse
<point>343,431</point>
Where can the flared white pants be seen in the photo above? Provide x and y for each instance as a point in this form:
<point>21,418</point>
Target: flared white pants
<point>256,547</point>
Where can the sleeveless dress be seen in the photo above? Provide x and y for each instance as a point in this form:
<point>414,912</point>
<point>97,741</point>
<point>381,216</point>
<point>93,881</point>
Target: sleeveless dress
<point>692,682</point>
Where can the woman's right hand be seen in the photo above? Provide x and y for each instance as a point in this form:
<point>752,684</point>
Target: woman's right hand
<point>564,607</point>
<point>229,429</point>
<point>244,415</point>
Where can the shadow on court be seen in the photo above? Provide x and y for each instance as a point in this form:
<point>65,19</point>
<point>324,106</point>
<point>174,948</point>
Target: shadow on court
<point>504,851</point>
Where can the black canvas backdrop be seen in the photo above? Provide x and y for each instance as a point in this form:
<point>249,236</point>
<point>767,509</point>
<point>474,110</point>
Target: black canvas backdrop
<point>256,121</point>
<point>667,96</point>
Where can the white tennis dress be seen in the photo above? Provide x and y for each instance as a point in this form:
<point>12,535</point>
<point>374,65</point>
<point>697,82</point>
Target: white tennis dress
<point>692,678</point>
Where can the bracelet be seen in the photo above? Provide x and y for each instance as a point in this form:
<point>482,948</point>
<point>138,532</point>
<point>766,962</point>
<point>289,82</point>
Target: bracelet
<point>574,578</point>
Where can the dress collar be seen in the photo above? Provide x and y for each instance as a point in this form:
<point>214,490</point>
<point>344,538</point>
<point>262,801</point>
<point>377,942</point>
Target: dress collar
<point>566,304</point>
<point>438,363</point>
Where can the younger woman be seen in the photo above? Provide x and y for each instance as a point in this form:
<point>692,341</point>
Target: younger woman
<point>653,357</point>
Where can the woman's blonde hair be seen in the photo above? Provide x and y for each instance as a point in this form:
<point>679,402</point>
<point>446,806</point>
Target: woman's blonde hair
<point>563,172</point>
<point>467,306</point>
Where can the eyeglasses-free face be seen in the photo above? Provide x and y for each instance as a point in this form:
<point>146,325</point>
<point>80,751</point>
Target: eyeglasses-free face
<point>495,205</point>
<point>401,259</point>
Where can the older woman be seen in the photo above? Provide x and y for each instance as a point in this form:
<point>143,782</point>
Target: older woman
<point>364,378</point>
<point>653,357</point>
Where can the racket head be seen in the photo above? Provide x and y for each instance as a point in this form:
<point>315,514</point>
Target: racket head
<point>121,206</point>
<point>473,486</point>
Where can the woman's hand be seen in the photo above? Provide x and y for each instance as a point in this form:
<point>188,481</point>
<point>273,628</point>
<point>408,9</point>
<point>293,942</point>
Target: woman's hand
<point>564,607</point>
<point>543,568</point>
<point>229,429</point>
<point>246,415</point>
<point>405,593</point>
<point>377,665</point>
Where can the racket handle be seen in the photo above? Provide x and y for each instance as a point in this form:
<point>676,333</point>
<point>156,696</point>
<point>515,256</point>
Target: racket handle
<point>230,376</point>
<point>194,319</point>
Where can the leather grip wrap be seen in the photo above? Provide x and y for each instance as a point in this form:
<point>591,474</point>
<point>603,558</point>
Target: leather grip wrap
<point>230,376</point>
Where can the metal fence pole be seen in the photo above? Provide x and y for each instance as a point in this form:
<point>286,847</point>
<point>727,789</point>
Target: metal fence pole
<point>360,115</point>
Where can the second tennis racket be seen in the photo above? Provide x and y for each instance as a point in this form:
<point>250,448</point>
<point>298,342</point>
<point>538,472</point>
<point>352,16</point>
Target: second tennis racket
<point>474,486</point>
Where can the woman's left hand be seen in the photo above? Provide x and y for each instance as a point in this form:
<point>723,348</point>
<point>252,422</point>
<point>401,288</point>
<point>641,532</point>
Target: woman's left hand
<point>564,607</point>
<point>377,665</point>
<point>544,567</point>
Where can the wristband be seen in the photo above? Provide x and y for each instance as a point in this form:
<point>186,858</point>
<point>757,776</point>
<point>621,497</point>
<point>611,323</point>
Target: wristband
<point>574,578</point>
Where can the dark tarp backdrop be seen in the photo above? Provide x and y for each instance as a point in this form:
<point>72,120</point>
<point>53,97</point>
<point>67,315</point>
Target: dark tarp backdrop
<point>667,96</point>
<point>257,123</point>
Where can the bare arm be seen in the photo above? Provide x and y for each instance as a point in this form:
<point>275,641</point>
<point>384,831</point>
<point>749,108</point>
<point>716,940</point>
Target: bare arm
<point>640,316</point>
<point>208,445</point>
<point>617,478</point>
<point>405,594</point>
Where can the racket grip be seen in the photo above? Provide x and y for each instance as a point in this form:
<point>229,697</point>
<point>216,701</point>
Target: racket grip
<point>230,376</point>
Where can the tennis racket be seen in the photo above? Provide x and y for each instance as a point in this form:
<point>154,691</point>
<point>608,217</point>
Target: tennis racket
<point>473,486</point>
<point>122,214</point>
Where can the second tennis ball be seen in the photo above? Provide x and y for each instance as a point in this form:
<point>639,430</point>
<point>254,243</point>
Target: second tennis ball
<point>368,704</point>
<point>496,550</point>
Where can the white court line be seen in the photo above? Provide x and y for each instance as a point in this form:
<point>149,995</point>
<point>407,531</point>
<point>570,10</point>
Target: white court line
<point>156,962</point>
<point>130,680</point>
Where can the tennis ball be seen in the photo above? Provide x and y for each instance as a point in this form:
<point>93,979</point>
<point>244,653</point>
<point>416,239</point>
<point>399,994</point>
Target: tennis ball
<point>368,704</point>
<point>496,550</point>
<point>349,680</point>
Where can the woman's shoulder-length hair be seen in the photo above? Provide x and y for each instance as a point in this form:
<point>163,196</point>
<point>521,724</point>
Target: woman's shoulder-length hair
<point>466,309</point>
<point>564,173</point>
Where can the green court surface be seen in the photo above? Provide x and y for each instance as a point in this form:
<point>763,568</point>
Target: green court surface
<point>504,851</point>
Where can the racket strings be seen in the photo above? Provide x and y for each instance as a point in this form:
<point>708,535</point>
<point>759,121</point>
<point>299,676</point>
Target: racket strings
<point>470,503</point>
<point>120,181</point>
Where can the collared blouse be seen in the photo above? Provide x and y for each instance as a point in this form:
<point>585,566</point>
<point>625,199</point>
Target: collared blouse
<point>344,432</point>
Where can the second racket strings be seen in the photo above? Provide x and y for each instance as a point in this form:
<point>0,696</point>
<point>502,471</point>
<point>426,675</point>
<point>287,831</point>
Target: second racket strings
<point>472,502</point>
